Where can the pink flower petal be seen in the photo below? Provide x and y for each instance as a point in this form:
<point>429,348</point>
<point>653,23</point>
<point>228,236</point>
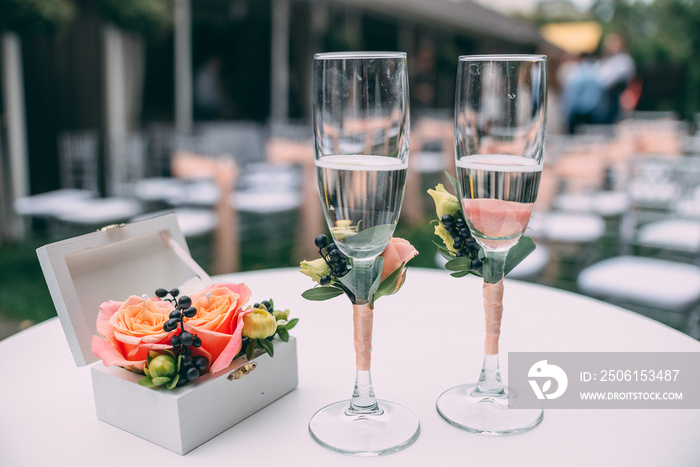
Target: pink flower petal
<point>233,347</point>
<point>111,356</point>
<point>127,339</point>
<point>404,248</point>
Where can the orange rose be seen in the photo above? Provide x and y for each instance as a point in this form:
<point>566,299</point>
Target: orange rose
<point>219,321</point>
<point>130,330</point>
<point>396,254</point>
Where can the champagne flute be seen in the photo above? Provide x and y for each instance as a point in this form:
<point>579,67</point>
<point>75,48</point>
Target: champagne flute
<point>361,134</point>
<point>500,119</point>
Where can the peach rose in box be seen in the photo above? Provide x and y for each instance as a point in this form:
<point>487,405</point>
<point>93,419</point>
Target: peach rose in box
<point>130,330</point>
<point>219,321</point>
<point>398,252</point>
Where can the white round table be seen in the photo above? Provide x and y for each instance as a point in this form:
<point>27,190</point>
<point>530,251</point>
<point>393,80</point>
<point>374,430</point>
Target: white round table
<point>427,338</point>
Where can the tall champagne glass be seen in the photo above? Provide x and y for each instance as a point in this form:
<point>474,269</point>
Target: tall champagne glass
<point>500,119</point>
<point>361,133</point>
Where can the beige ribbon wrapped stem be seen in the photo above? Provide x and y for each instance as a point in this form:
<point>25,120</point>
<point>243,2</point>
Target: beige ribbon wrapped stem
<point>493,310</point>
<point>362,318</point>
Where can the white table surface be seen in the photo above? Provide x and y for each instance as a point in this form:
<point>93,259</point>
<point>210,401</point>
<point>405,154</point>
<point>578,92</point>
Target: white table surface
<point>427,338</point>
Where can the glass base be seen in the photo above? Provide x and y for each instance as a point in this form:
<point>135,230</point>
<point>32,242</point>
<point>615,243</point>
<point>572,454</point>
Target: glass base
<point>392,429</point>
<point>486,415</point>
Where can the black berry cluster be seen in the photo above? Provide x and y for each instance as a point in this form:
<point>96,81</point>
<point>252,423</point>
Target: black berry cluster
<point>266,303</point>
<point>464,243</point>
<point>333,257</point>
<point>190,367</point>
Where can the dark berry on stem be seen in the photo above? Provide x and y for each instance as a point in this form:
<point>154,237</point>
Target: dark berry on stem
<point>175,292</point>
<point>321,241</point>
<point>185,302</point>
<point>186,338</point>
<point>325,280</point>
<point>464,232</point>
<point>476,264</point>
<point>256,305</point>
<point>335,255</point>
<point>175,341</point>
<point>459,223</point>
<point>267,305</point>
<point>161,293</point>
<point>191,312</point>
<point>175,314</point>
<point>332,247</point>
<point>186,362</point>
<point>192,374</point>
<point>196,341</point>
<point>201,363</point>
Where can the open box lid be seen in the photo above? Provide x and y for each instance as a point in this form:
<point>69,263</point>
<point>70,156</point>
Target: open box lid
<point>112,264</point>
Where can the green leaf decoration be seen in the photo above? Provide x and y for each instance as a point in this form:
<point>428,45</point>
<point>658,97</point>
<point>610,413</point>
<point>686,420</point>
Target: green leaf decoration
<point>367,236</point>
<point>518,253</point>
<point>322,293</point>
<point>177,366</point>
<point>290,325</point>
<point>461,273</point>
<point>173,382</point>
<point>388,286</point>
<point>147,382</point>
<point>455,184</point>
<point>284,334</point>
<point>160,380</point>
<point>170,354</point>
<point>145,371</point>
<point>267,346</point>
<point>250,349</point>
<point>459,264</point>
<point>444,252</point>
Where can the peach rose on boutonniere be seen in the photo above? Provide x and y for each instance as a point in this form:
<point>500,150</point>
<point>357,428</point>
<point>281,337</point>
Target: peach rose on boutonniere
<point>130,330</point>
<point>219,321</point>
<point>398,252</point>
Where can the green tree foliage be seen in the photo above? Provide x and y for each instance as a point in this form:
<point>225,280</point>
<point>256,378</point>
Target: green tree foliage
<point>28,16</point>
<point>150,18</point>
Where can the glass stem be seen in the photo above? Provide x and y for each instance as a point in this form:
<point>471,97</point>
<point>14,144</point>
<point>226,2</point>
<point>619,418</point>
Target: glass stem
<point>363,401</point>
<point>490,383</point>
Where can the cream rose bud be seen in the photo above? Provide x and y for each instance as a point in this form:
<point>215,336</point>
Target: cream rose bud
<point>259,324</point>
<point>445,202</point>
<point>315,269</point>
<point>281,314</point>
<point>162,366</point>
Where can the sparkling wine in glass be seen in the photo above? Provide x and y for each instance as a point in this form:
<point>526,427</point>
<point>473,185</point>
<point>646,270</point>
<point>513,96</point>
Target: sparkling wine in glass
<point>500,120</point>
<point>361,135</point>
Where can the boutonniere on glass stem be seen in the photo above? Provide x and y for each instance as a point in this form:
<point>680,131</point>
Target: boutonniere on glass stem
<point>335,275</point>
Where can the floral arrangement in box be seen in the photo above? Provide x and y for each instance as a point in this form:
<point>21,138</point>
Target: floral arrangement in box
<point>173,338</point>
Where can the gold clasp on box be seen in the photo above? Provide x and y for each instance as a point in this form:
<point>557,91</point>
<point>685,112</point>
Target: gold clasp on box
<point>242,371</point>
<point>111,227</point>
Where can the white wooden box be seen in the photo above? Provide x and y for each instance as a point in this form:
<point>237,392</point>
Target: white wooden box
<point>136,259</point>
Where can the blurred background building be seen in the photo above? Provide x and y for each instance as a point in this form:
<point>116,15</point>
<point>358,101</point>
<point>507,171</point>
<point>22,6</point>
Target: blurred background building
<point>112,110</point>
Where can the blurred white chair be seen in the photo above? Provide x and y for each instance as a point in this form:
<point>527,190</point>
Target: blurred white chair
<point>78,176</point>
<point>192,222</point>
<point>127,156</point>
<point>663,290</point>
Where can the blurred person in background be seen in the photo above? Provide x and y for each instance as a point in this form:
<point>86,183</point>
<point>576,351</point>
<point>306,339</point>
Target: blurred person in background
<point>615,71</point>
<point>582,93</point>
